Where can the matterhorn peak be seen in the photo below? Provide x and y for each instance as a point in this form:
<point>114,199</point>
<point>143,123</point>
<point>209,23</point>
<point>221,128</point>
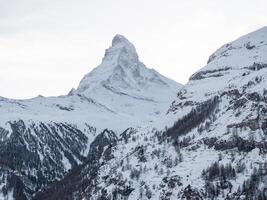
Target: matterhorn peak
<point>121,49</point>
<point>120,40</point>
<point>121,71</point>
<point>120,60</point>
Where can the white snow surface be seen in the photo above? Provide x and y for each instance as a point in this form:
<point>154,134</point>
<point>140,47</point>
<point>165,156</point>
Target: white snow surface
<point>242,52</point>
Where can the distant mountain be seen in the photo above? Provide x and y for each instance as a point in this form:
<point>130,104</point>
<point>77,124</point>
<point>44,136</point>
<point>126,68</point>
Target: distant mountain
<point>44,137</point>
<point>214,145</point>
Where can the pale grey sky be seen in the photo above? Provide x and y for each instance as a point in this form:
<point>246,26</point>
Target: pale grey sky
<point>47,46</point>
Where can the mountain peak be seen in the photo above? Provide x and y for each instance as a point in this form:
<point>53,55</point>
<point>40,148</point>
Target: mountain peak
<point>121,49</point>
<point>120,40</point>
<point>122,72</point>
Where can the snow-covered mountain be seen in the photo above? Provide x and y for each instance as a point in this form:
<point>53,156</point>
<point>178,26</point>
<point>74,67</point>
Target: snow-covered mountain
<point>209,143</point>
<point>42,138</point>
<point>213,148</point>
<point>126,85</point>
<point>120,89</point>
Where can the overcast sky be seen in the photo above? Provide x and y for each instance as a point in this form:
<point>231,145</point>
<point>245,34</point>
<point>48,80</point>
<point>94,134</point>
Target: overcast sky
<point>47,46</point>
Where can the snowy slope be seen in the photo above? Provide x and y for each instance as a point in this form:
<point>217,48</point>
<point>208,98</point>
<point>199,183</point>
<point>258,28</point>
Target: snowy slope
<point>231,66</point>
